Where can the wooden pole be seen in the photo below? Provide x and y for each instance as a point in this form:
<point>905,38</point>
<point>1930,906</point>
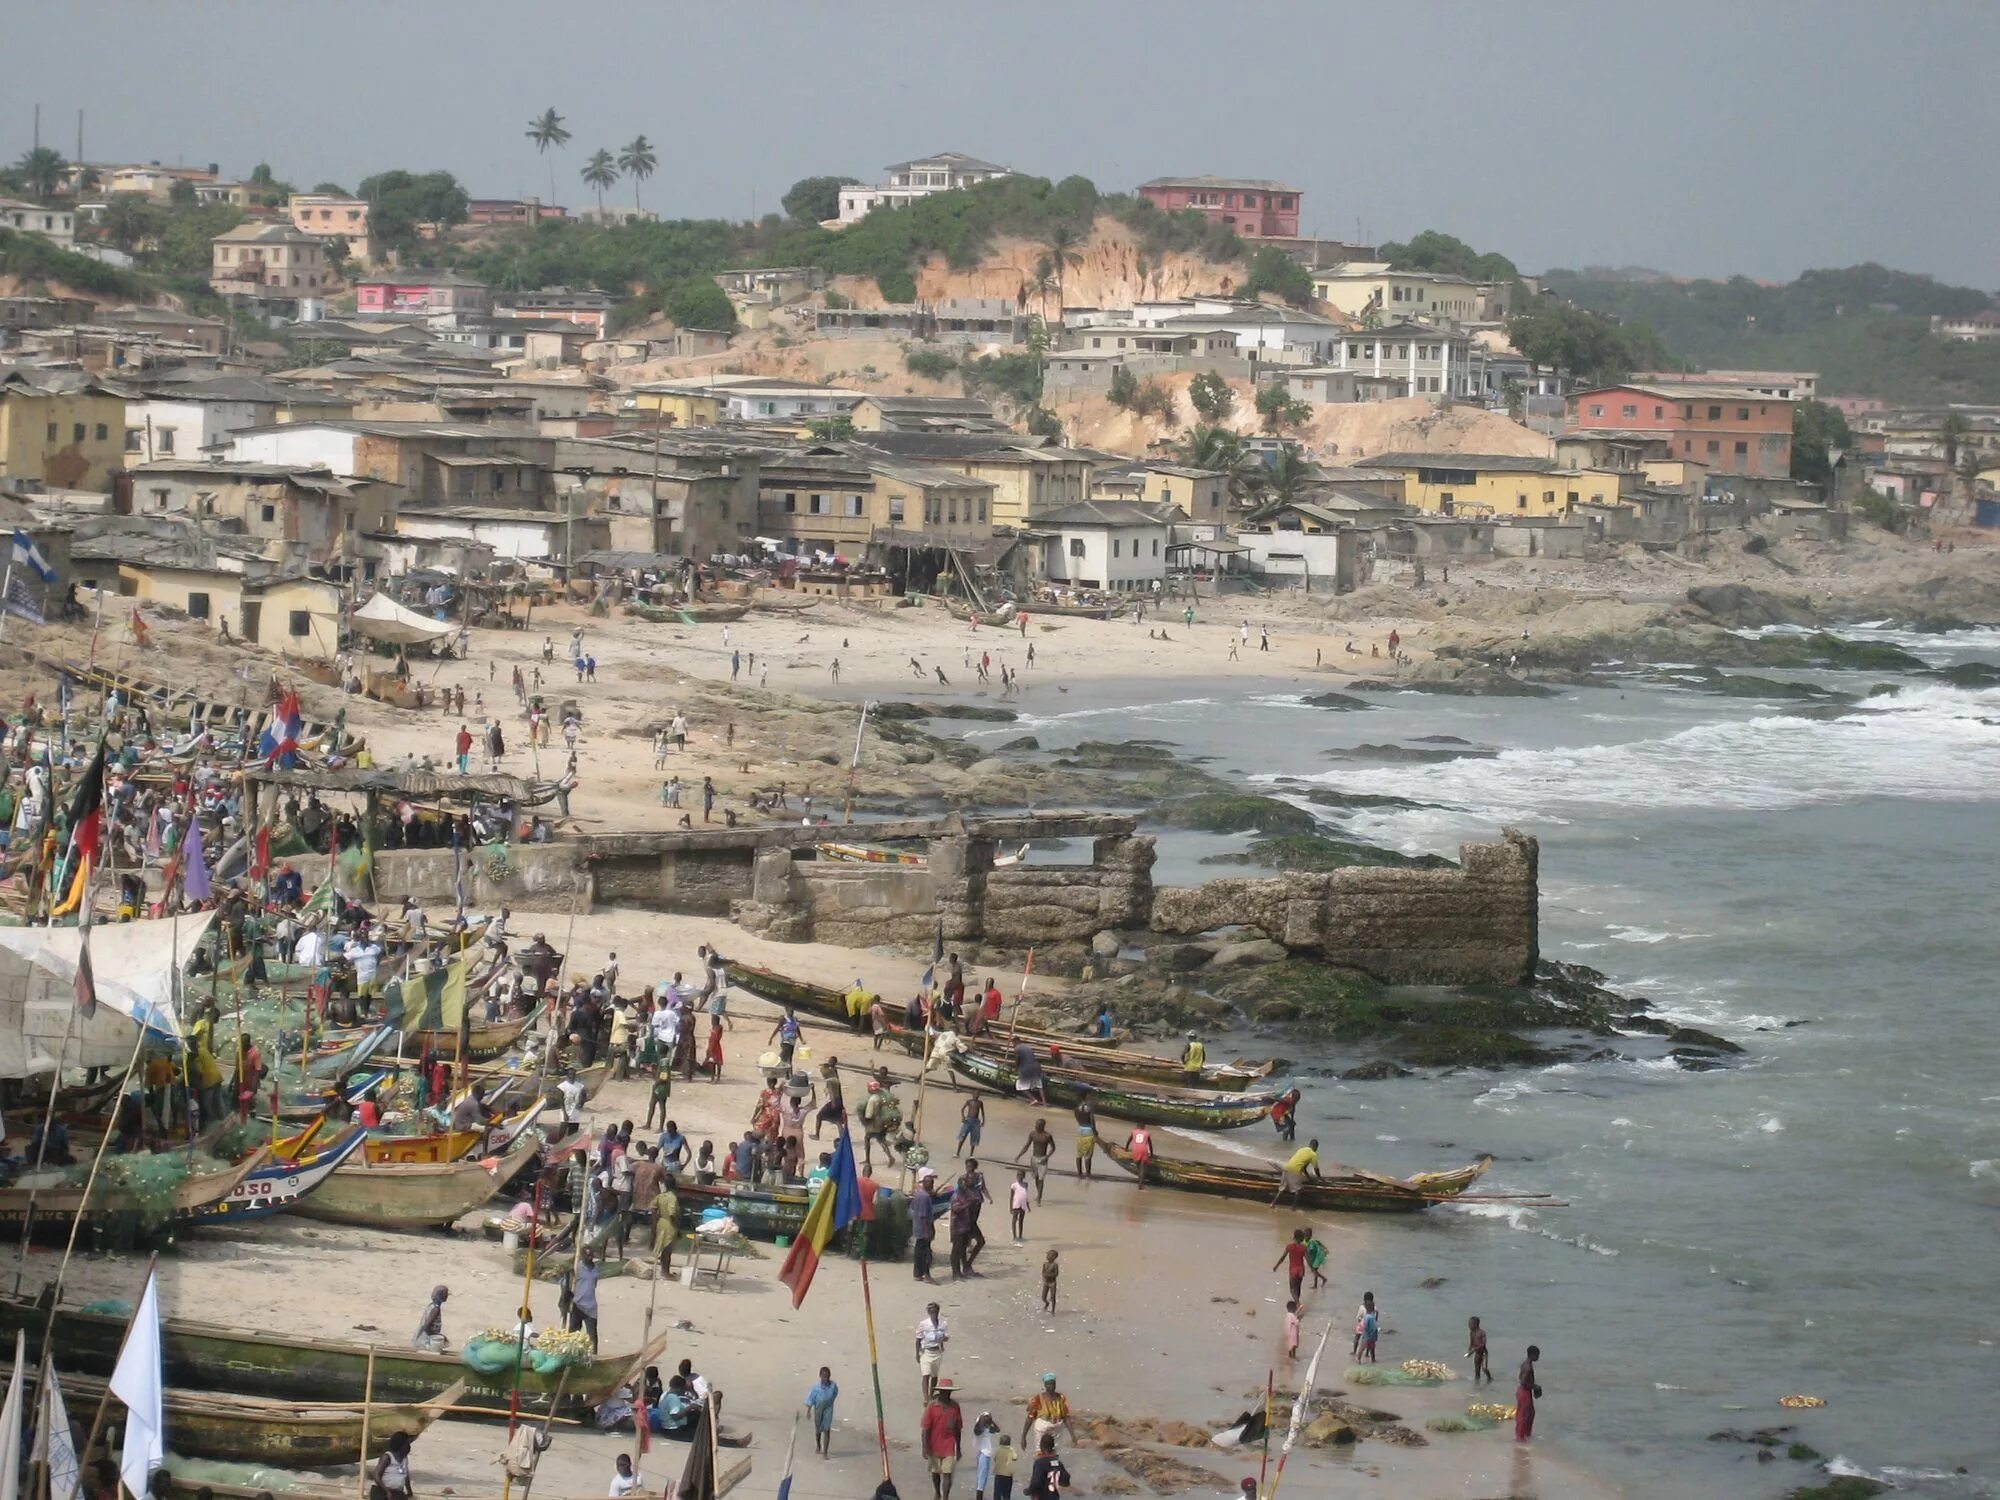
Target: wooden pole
<point>555,1405</point>
<point>874,1356</point>
<point>104,1401</point>
<point>367,1412</point>
<point>90,1182</point>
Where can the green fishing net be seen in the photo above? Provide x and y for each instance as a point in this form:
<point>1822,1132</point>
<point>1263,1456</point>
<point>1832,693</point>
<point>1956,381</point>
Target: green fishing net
<point>1387,1375</point>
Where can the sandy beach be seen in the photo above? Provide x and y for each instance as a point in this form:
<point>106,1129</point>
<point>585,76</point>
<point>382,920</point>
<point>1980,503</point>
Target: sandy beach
<point>1168,1308</point>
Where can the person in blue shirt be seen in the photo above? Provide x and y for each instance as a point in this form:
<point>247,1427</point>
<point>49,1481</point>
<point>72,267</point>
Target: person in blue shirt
<point>674,1413</point>
<point>786,1035</point>
<point>673,1147</point>
<point>819,1401</point>
<point>1104,1023</point>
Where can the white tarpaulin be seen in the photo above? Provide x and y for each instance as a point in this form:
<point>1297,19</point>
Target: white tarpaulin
<point>383,619</point>
<point>133,965</point>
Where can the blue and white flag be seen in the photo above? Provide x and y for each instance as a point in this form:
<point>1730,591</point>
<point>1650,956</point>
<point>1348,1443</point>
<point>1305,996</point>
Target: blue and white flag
<point>20,600</point>
<point>28,555</point>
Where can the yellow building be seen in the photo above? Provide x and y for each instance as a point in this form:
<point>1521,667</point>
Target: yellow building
<point>1484,484</point>
<point>1199,494</point>
<point>1374,293</point>
<point>683,408</point>
<point>63,428</point>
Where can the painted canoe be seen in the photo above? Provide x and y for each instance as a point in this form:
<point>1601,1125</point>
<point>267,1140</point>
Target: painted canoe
<point>486,1039</point>
<point>1098,1064</point>
<point>1159,1106</point>
<point>296,1169</point>
<point>265,1431</point>
<point>415,1195</point>
<point>55,1205</point>
<point>1344,1192</point>
<point>1073,611</point>
<point>450,1145</point>
<point>216,1357</point>
<point>800,994</point>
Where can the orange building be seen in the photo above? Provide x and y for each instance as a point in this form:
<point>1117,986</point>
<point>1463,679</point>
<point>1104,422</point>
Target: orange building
<point>1732,429</point>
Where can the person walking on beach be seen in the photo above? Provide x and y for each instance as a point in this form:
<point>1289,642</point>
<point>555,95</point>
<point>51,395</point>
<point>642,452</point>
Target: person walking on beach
<point>1038,1148</point>
<point>1048,1409</point>
<point>1292,1329</point>
<point>1263,638</point>
<point>1140,1144</point>
<point>985,1438</point>
<point>923,1225</point>
<point>1086,1134</point>
<point>1293,1259</point>
<point>1017,1205</point>
<point>819,1401</point>
<point>943,1423</point>
<point>708,799</point>
<point>1005,1457</point>
<point>1292,1178</point>
<point>1051,1270</point>
<point>1371,1327</point>
<point>1361,1316</point>
<point>1527,1391</point>
<point>933,1333</point>
<point>1475,1346</point>
<point>1316,1259</point>
<point>463,746</point>
<point>971,1123</point>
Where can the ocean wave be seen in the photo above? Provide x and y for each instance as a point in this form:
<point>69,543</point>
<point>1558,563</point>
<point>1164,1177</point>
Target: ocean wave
<point>1037,721</point>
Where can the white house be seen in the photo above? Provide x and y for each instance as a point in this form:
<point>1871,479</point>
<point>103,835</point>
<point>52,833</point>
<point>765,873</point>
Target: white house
<point>1424,360</point>
<point>56,224</point>
<point>910,180</point>
<point>1118,546</point>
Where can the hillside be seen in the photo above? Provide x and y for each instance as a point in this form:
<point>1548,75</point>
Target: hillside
<point>1865,329</point>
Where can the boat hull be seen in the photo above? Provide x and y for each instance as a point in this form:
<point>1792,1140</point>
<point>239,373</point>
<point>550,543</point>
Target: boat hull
<point>1342,1193</point>
<point>417,1195</point>
<point>279,1185</point>
<point>233,1428</point>
<point>1190,1110</point>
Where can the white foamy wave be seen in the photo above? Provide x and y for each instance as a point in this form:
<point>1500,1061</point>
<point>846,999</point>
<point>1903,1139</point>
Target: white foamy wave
<point>1935,647</point>
<point>1771,1125</point>
<point>1034,721</point>
<point>1641,935</point>
<point>1923,742</point>
<point>1986,1169</point>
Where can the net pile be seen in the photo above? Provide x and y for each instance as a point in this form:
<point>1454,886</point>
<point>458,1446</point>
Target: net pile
<point>494,1351</point>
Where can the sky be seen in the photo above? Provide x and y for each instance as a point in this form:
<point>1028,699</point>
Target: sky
<point>1703,138</point>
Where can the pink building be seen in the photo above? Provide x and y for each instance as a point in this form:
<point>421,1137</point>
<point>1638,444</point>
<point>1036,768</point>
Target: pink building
<point>421,293</point>
<point>1254,207</point>
<point>1732,429</point>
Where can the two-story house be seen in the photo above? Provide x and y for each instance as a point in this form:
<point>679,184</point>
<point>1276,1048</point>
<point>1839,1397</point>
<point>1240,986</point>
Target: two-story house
<point>1115,546</point>
<point>837,504</point>
<point>57,225</point>
<point>1732,429</point>
<point>1255,207</point>
<point>271,262</point>
<point>420,294</point>
<point>184,418</point>
<point>908,181</point>
<point>329,217</point>
<point>62,428</point>
<point>1376,294</point>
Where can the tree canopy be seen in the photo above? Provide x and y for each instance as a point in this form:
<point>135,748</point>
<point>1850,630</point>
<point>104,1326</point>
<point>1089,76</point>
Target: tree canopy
<point>1271,270</point>
<point>697,302</point>
<point>1816,429</point>
<point>1584,345</point>
<point>813,199</point>
<point>1434,250</point>
<point>399,201</point>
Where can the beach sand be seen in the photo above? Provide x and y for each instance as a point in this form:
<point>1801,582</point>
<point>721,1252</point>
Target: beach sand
<point>1169,1310</point>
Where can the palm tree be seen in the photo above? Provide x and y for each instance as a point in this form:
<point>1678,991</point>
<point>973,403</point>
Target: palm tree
<point>600,172</point>
<point>1065,251</point>
<point>1042,283</point>
<point>637,162</point>
<point>41,169</point>
<point>547,130</point>
<point>1222,451</point>
<point>1290,472</point>
<point>1953,433</point>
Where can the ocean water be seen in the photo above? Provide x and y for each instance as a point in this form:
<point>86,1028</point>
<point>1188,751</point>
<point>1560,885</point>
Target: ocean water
<point>1823,1216</point>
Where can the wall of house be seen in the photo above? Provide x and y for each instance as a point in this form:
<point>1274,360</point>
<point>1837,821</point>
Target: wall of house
<point>302,444</point>
<point>184,590</point>
<point>1748,434</point>
<point>1140,559</point>
<point>1505,492</point>
<point>273,609</point>
<point>88,442</point>
<point>1313,559</point>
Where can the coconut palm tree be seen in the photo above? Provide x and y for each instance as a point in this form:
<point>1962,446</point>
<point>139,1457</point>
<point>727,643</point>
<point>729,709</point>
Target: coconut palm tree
<point>1043,282</point>
<point>546,130</point>
<point>41,169</point>
<point>637,161</point>
<point>1222,451</point>
<point>1064,245</point>
<point>600,172</point>
<point>1289,472</point>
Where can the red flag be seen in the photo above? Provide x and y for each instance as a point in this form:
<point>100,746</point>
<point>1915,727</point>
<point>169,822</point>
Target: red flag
<point>260,864</point>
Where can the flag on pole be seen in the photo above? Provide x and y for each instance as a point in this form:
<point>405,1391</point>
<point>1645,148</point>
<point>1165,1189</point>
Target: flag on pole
<point>28,555</point>
<point>55,1447</point>
<point>195,885</point>
<point>86,981</point>
<point>10,1423</point>
<point>86,828</point>
<point>937,956</point>
<point>791,1452</point>
<point>137,1382</point>
<point>280,742</point>
<point>20,600</point>
<point>838,1204</point>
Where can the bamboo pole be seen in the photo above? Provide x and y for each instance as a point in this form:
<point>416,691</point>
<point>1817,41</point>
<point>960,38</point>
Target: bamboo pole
<point>874,1355</point>
<point>41,1152</point>
<point>367,1412</point>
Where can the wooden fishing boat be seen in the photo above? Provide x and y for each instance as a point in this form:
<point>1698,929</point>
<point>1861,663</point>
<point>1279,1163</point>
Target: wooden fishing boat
<point>997,618</point>
<point>485,1040</point>
<point>447,1145</point>
<point>1099,1064</point>
<point>1072,611</point>
<point>214,1356</point>
<point>1156,1106</point>
<point>263,1430</point>
<point>801,994</point>
<point>414,1195</point>
<point>1345,1191</point>
<point>297,1167</point>
<point>761,1213</point>
<point>56,1203</point>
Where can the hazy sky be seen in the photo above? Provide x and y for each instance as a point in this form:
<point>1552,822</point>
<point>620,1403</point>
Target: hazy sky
<point>1705,137</point>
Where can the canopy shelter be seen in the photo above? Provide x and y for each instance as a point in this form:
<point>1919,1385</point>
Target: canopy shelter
<point>133,965</point>
<point>383,619</point>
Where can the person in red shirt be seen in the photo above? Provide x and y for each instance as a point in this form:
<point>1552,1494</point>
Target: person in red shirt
<point>1293,1258</point>
<point>464,744</point>
<point>942,1424</point>
<point>989,1009</point>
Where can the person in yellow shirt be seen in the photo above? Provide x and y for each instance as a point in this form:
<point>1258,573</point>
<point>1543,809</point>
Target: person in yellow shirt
<point>1194,1056</point>
<point>857,1005</point>
<point>1292,1177</point>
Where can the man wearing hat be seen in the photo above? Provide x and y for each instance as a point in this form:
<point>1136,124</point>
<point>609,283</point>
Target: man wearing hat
<point>932,1335</point>
<point>1194,1056</point>
<point>1048,1409</point>
<point>942,1424</point>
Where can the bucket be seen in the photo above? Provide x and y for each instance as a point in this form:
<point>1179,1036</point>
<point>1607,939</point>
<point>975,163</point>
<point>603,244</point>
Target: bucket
<point>784,1242</point>
<point>510,1240</point>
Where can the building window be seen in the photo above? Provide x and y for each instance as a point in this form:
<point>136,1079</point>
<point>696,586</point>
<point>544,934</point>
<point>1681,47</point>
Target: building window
<point>163,439</point>
<point>103,432</point>
<point>1548,497</point>
<point>1572,497</point>
<point>300,622</point>
<point>1597,411</point>
<point>854,505</point>
<point>1520,502</point>
<point>895,510</point>
<point>1715,414</point>
<point>269,512</point>
<point>1714,446</point>
<point>197,606</point>
<point>982,509</point>
<point>1156,546</point>
<point>1742,450</point>
<point>1687,413</point>
<point>1115,546</point>
<point>76,432</point>
<point>951,510</point>
<point>1742,413</point>
<point>1659,413</point>
<point>135,440</point>
<point>1630,411</point>
<point>1076,546</point>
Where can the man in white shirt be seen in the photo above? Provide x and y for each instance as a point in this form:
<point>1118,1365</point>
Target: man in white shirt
<point>311,948</point>
<point>932,1334</point>
<point>366,956</point>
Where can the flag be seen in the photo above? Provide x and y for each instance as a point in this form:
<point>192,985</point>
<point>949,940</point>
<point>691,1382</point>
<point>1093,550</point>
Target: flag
<point>86,830</point>
<point>791,1452</point>
<point>937,956</point>
<point>86,981</point>
<point>138,1384</point>
<point>838,1204</point>
<point>195,885</point>
<point>433,1001</point>
<point>20,600</point>
<point>55,1447</point>
<point>28,555</point>
<point>260,861</point>
<point>10,1423</point>
<point>280,742</point>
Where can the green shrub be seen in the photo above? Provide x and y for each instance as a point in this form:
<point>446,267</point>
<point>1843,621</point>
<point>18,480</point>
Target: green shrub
<point>896,286</point>
<point>932,364</point>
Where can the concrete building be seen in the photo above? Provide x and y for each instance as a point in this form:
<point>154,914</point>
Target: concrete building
<point>182,418</point>
<point>268,261</point>
<point>877,413</point>
<point>1307,545</point>
<point>1115,546</point>
<point>540,537</point>
<point>1783,385</point>
<point>1373,292</point>
<point>56,225</point>
<point>61,428</point>
<point>1488,485</point>
<point>420,294</point>
<point>978,320</point>
<point>1732,429</point>
<point>299,517</point>
<point>1974,328</point>
<point>946,172</point>
<point>328,217</point>
<point>1255,207</point>
<point>430,463</point>
<point>839,504</point>
<point>590,310</point>
<point>1415,359</point>
<point>511,211</point>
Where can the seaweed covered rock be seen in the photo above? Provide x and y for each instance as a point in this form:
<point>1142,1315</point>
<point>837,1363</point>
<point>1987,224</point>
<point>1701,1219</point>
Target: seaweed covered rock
<point>1235,812</point>
<point>1319,851</point>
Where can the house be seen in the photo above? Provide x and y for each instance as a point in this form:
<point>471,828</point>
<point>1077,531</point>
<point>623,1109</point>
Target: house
<point>771,286</point>
<point>1732,429</point>
<point>511,211</point>
<point>300,516</point>
<point>680,403</point>
<point>230,194</point>
<point>978,320</point>
<point>894,320</point>
<point>908,181</point>
<point>1484,484</point>
<point>222,581</point>
<point>430,463</point>
<point>1200,495</point>
<point>61,428</point>
<point>17,313</point>
<point>1255,207</point>
<point>1418,359</point>
<point>1371,291</point>
<point>1115,546</point>
<point>1029,476</point>
<point>590,310</point>
<point>182,418</point>
<point>1308,545</point>
<point>57,225</point>
<point>420,294</point>
<point>1782,385</point>
<point>657,495</point>
<point>924,414</point>
<point>545,537</point>
<point>1973,328</point>
<point>268,262</point>
<point>152,180</point>
<point>763,398</point>
<point>838,504</point>
<point>205,334</point>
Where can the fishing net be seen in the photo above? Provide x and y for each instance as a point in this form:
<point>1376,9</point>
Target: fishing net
<point>888,1235</point>
<point>496,1351</point>
<point>110,1307</point>
<point>1461,1424</point>
<point>200,1472</point>
<point>1389,1375</point>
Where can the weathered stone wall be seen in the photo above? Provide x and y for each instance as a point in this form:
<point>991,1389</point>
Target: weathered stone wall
<point>1475,924</point>
<point>542,877</point>
<point>1030,905</point>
